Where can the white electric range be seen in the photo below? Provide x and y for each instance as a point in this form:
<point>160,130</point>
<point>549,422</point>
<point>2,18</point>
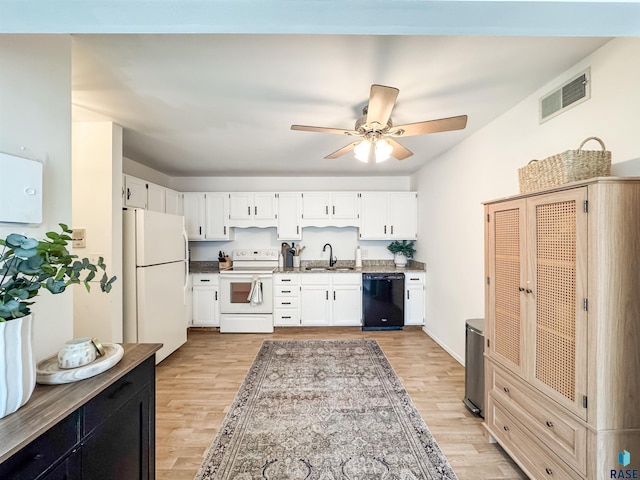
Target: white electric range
<point>246,292</point>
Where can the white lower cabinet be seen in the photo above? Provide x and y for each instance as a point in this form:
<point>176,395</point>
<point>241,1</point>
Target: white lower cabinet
<point>331,299</point>
<point>286,299</point>
<point>414,298</point>
<point>206,304</point>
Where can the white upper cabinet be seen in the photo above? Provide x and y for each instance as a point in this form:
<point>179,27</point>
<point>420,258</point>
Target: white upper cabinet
<point>206,215</point>
<point>217,216</point>
<point>135,192</point>
<point>193,206</point>
<point>156,198</point>
<point>289,216</point>
<point>248,209</point>
<point>320,209</point>
<point>173,202</point>
<point>389,216</point>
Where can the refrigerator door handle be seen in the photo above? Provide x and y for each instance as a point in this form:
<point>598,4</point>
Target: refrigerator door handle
<point>185,287</point>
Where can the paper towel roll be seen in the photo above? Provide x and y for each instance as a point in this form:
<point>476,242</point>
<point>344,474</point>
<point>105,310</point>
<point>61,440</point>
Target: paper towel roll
<point>358,257</point>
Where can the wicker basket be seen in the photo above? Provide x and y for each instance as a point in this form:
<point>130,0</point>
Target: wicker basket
<point>565,167</point>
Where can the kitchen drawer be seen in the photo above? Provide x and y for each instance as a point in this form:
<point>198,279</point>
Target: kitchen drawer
<point>413,278</point>
<point>286,291</point>
<point>39,455</point>
<point>286,302</point>
<point>202,279</point>
<point>286,279</point>
<point>286,317</point>
<point>346,278</point>
<point>100,408</point>
<point>557,429</point>
<point>536,460</point>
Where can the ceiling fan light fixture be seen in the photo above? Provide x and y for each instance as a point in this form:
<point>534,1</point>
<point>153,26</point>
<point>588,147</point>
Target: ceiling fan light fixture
<point>362,151</point>
<point>383,150</point>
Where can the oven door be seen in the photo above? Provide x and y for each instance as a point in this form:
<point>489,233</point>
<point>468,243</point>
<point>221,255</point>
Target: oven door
<point>235,293</point>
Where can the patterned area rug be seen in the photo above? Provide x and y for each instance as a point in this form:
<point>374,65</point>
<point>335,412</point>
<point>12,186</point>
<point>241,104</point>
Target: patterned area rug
<point>323,410</point>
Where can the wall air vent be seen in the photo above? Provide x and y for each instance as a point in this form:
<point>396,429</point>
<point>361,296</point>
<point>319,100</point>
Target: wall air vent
<point>570,94</point>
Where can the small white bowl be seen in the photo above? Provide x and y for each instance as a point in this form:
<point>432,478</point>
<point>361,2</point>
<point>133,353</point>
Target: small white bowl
<point>76,353</point>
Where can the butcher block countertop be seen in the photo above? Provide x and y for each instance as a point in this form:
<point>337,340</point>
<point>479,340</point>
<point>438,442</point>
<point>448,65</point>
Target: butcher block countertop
<point>51,403</point>
<point>316,266</point>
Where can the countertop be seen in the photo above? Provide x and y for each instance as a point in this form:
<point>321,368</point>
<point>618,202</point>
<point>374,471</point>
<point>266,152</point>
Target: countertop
<point>51,403</point>
<point>368,266</point>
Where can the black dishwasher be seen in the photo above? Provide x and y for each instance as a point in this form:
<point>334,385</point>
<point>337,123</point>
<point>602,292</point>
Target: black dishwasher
<point>382,301</point>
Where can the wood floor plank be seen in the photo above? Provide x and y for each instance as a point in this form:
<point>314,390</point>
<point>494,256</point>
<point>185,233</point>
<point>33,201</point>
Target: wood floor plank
<point>197,384</point>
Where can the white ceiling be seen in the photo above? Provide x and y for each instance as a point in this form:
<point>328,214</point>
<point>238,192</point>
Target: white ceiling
<point>223,104</point>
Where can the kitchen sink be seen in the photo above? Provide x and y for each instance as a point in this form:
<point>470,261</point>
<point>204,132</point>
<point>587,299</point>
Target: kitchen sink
<point>329,269</point>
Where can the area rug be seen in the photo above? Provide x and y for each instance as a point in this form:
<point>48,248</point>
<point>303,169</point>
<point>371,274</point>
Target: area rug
<point>323,410</point>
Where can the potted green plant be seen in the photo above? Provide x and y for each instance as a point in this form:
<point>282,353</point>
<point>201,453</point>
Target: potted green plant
<point>402,250</point>
<point>27,266</point>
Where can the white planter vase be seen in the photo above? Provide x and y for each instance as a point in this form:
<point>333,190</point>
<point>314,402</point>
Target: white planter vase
<point>17,364</point>
<point>400,259</point>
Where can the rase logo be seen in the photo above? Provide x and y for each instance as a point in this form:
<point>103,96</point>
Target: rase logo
<point>624,459</point>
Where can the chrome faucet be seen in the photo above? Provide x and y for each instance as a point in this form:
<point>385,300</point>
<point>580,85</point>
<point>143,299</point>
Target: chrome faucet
<point>332,259</point>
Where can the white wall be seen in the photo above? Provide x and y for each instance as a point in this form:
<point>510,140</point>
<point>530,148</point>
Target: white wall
<point>97,207</point>
<point>485,167</point>
<point>35,113</point>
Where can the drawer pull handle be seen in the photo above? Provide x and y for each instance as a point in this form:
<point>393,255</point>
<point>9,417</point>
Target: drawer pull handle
<point>549,423</point>
<point>521,289</point>
<point>506,428</point>
<point>286,279</point>
<point>205,280</point>
<point>286,303</point>
<point>549,471</point>
<point>286,291</point>
<point>506,389</point>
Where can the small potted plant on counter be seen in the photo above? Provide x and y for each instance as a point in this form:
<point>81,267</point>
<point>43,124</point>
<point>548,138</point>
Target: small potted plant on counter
<point>26,266</point>
<point>402,250</point>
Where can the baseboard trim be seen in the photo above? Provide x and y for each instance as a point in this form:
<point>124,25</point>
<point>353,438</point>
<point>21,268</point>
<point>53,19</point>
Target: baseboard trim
<point>444,346</point>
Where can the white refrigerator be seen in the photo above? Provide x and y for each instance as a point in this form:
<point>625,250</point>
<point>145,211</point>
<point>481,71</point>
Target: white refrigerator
<point>155,279</point>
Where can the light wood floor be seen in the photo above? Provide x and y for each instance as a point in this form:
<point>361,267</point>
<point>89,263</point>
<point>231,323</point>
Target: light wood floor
<point>197,384</point>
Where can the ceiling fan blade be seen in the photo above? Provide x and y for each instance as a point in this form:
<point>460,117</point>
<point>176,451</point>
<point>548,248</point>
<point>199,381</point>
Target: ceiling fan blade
<point>430,126</point>
<point>399,152</point>
<point>343,151</point>
<point>381,101</point>
<point>339,131</point>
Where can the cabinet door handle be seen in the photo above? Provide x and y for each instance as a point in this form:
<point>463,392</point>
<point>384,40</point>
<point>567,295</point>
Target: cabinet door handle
<point>549,471</point>
<point>326,295</point>
<point>334,294</point>
<point>506,389</point>
<point>408,295</point>
<point>128,193</point>
<point>225,229</point>
<point>549,423</point>
<point>391,229</point>
<point>385,229</point>
<point>249,211</point>
<point>521,289</point>
<point>216,296</point>
<point>528,290</point>
<point>334,209</point>
<point>255,210</point>
<point>506,428</point>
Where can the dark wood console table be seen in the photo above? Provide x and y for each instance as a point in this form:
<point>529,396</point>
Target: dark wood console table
<point>99,428</point>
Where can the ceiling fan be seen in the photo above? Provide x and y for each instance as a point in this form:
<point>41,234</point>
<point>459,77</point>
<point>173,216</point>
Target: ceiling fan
<point>379,133</point>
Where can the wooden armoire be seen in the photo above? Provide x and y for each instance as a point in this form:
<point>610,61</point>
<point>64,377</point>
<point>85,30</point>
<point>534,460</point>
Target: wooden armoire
<point>562,328</point>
